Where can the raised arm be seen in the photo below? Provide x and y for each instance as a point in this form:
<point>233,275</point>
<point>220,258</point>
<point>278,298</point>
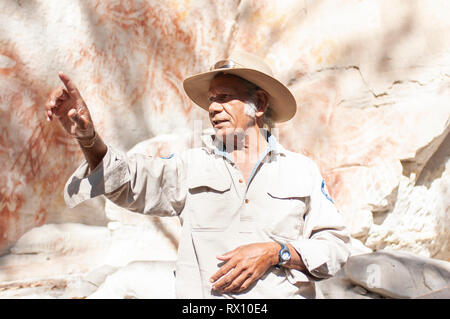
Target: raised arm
<point>66,103</point>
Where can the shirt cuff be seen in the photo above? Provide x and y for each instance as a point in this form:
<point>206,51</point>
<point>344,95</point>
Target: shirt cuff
<point>314,256</point>
<point>110,173</point>
<point>295,276</point>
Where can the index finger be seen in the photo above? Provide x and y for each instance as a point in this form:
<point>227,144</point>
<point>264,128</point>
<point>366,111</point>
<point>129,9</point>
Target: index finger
<point>227,255</point>
<point>222,271</point>
<point>68,83</point>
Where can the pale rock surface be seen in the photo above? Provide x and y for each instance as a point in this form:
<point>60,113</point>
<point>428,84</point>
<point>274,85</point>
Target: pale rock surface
<point>443,293</point>
<point>139,280</point>
<point>55,250</point>
<point>382,274</point>
<point>419,222</point>
<point>358,248</point>
<point>35,289</point>
<point>48,261</point>
<point>398,274</point>
<point>341,287</point>
<point>74,260</point>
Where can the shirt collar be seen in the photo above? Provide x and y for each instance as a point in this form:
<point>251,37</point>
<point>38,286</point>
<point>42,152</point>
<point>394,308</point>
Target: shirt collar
<point>215,146</point>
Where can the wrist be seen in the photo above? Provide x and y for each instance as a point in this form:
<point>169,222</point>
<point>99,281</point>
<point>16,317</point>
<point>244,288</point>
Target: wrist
<point>274,253</point>
<point>87,142</point>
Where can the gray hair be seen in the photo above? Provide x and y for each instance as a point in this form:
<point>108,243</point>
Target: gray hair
<point>251,108</point>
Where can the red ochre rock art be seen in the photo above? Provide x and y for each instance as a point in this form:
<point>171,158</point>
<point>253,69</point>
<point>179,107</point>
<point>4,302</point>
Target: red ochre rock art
<point>31,155</point>
<point>151,33</point>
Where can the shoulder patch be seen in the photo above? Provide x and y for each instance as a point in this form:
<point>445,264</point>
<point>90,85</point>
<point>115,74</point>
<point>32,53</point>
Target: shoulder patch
<point>168,157</point>
<point>325,191</point>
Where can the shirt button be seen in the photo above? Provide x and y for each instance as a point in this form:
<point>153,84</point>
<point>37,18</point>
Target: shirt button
<point>246,201</point>
<point>240,180</point>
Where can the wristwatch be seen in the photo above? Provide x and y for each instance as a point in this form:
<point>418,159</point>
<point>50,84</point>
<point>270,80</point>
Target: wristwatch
<point>284,255</point>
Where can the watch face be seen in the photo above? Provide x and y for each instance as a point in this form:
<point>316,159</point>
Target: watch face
<point>285,255</point>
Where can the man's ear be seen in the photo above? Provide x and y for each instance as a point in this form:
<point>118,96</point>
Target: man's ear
<point>262,102</point>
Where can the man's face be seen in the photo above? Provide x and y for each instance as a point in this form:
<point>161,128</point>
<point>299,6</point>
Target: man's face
<point>228,95</point>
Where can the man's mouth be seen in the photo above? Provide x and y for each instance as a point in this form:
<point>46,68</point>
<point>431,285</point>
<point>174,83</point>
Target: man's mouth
<point>217,122</point>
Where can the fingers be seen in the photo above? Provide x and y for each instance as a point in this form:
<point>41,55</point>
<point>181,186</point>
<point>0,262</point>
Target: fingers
<point>225,268</point>
<point>222,271</point>
<point>56,97</point>
<point>227,280</point>
<point>244,266</point>
<point>70,86</point>
<point>240,283</point>
<point>249,280</point>
<point>233,280</point>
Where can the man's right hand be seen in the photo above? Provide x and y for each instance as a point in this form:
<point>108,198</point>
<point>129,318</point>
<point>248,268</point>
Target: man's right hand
<point>68,106</point>
<point>66,103</point>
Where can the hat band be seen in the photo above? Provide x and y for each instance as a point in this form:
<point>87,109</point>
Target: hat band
<point>224,64</point>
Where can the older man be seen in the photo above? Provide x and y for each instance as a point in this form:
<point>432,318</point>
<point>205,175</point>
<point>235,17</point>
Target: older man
<point>256,219</point>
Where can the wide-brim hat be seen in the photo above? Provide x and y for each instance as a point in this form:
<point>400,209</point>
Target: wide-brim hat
<point>251,68</point>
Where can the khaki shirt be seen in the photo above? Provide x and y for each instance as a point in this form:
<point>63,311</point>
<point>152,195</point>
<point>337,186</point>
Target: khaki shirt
<point>285,201</point>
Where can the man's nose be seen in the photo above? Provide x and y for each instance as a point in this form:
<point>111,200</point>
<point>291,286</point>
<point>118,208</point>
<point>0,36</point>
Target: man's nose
<point>215,107</point>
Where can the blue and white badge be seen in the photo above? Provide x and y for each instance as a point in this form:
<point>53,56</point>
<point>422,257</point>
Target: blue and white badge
<point>324,189</point>
<point>168,157</point>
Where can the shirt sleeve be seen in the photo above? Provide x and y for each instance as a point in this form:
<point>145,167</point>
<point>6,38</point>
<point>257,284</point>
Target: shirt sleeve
<point>324,245</point>
<point>140,183</point>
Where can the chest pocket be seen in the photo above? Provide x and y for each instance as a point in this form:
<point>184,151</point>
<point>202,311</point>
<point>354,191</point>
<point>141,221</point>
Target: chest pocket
<point>209,202</point>
<point>290,203</point>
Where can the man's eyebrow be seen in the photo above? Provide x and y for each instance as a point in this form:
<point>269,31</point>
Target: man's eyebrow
<point>221,95</point>
<point>221,91</point>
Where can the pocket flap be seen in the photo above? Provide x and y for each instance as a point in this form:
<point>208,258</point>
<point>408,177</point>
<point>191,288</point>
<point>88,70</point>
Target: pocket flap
<point>213,181</point>
<point>289,189</point>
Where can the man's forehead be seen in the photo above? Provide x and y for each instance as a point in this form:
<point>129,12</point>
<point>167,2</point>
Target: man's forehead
<point>226,83</point>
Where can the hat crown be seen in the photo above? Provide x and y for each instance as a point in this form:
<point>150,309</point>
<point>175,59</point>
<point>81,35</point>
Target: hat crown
<point>250,61</point>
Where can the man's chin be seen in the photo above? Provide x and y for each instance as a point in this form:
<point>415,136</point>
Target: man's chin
<point>227,134</point>
<point>221,134</point>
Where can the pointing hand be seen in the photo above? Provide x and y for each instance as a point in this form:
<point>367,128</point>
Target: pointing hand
<point>66,103</point>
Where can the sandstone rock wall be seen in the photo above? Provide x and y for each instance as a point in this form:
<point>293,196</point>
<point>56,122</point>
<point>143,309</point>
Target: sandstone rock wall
<point>371,78</point>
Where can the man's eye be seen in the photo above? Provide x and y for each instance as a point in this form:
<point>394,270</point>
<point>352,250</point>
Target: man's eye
<point>221,98</point>
<point>224,97</point>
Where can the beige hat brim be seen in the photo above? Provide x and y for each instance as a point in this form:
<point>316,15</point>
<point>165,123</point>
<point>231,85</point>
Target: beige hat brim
<point>282,102</point>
